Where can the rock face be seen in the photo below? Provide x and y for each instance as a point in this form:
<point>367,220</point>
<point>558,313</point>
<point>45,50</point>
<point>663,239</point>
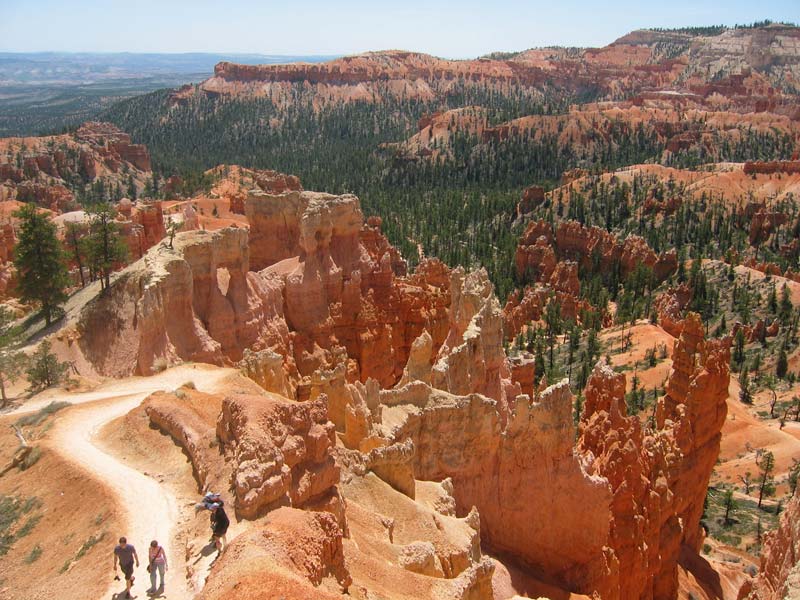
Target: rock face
<point>280,451</point>
<point>528,305</point>
<point>779,576</point>
<point>295,555</point>
<point>669,307</point>
<point>235,182</point>
<point>753,65</point>
<point>344,284</point>
<point>343,305</point>
<point>303,224</point>
<point>658,476</point>
<point>550,260</point>
<point>472,359</point>
<point>196,302</point>
<point>639,492</point>
<point>189,417</point>
<point>763,223</point>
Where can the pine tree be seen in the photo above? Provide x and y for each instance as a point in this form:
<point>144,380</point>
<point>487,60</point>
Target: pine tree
<point>745,395</point>
<point>39,259</point>
<point>766,486</point>
<point>77,248</point>
<point>730,505</point>
<point>738,346</point>
<point>785,313</point>
<point>45,370</point>
<point>794,475</point>
<point>105,247</point>
<point>782,364</point>
<point>12,360</point>
<point>772,300</point>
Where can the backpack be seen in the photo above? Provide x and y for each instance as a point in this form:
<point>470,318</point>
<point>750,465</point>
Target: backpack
<point>212,498</point>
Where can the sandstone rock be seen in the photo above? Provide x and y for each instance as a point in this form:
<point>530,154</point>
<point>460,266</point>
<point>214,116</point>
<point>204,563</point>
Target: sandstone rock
<point>280,451</point>
<point>196,302</point>
<point>266,367</point>
<point>189,417</point>
<point>472,358</point>
<point>573,241</point>
<point>763,223</point>
<point>669,307</point>
<point>420,557</point>
<point>461,438</point>
<point>295,555</point>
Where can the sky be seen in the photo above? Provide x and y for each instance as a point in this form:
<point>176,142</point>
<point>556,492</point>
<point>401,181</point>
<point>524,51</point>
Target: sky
<point>452,29</point>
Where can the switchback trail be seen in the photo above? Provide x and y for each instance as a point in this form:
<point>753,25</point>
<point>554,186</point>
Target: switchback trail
<point>150,509</point>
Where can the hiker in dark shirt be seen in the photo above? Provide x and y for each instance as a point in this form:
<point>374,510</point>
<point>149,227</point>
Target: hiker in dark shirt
<point>219,524</point>
<point>126,554</point>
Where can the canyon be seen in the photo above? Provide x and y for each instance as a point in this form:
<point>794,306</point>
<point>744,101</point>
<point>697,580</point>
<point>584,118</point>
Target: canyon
<point>522,326</point>
<point>427,406</point>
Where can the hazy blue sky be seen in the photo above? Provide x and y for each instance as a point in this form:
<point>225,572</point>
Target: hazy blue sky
<point>452,29</point>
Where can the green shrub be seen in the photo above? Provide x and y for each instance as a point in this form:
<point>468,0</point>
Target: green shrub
<point>34,419</point>
<point>33,457</point>
<point>36,552</point>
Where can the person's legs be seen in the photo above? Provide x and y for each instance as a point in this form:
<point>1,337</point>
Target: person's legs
<point>128,571</point>
<point>153,577</point>
<point>161,569</point>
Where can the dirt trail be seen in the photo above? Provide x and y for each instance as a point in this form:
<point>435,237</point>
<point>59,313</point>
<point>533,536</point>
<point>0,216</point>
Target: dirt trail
<point>150,508</point>
<point>120,388</point>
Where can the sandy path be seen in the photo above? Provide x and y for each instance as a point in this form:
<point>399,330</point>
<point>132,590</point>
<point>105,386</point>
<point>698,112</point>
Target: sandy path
<point>150,509</point>
<point>201,374</point>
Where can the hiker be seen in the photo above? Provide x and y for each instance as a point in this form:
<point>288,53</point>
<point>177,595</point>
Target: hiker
<point>219,524</point>
<point>157,564</point>
<point>126,554</point>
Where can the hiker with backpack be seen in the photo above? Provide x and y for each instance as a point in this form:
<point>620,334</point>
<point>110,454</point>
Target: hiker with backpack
<point>157,565</point>
<point>219,525</point>
<point>126,554</point>
<point>219,518</point>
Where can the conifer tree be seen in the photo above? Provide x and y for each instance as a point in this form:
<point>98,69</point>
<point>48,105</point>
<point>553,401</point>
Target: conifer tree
<point>12,360</point>
<point>39,259</point>
<point>782,364</point>
<point>745,395</point>
<point>77,248</point>
<point>45,370</point>
<point>105,247</point>
<point>766,486</point>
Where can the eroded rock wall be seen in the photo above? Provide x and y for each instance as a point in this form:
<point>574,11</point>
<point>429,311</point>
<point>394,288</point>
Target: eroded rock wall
<point>779,576</point>
<point>197,301</point>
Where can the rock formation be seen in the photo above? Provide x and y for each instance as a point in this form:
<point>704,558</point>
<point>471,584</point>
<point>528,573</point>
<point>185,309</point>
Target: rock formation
<point>43,169</point>
<point>743,66</point>
<point>658,476</point>
<point>779,576</point>
<point>409,371</point>
<point>294,555</point>
<point>540,249</point>
<point>280,451</point>
<point>198,301</point>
